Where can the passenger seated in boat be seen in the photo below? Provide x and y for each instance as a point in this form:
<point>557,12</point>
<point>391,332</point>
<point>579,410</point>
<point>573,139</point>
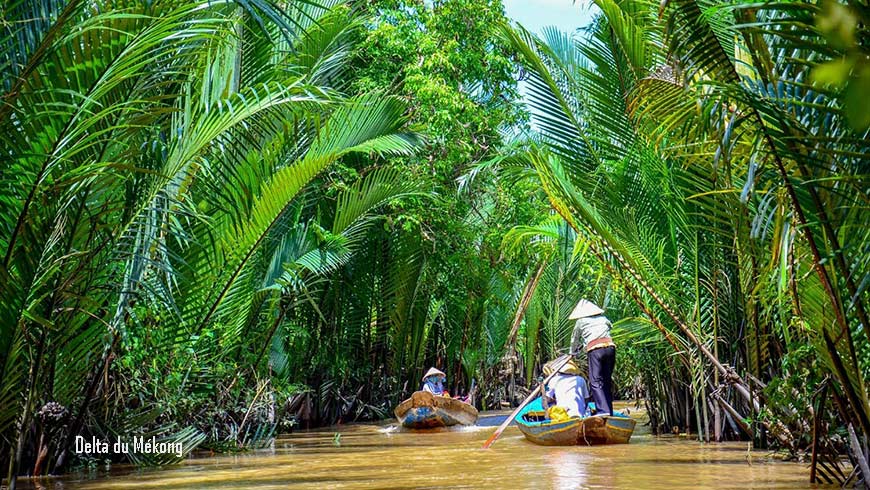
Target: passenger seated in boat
<point>568,388</point>
<point>433,382</point>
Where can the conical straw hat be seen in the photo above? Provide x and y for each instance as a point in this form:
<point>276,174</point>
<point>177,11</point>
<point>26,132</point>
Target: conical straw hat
<point>585,308</point>
<point>432,372</point>
<point>570,367</point>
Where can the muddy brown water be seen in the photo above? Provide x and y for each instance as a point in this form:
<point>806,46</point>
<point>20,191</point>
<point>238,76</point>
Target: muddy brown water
<point>385,456</point>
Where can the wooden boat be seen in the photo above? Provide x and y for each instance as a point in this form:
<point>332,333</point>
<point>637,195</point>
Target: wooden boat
<point>575,431</point>
<point>427,411</point>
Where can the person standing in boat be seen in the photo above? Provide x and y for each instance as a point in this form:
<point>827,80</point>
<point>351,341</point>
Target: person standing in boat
<point>568,388</point>
<point>592,333</point>
<point>433,382</point>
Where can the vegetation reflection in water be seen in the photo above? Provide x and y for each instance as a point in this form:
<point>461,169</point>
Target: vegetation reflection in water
<point>370,456</point>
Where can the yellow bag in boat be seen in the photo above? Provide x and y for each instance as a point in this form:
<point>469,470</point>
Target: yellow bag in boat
<point>557,414</point>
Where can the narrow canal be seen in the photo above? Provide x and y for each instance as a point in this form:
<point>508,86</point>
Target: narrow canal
<point>385,456</point>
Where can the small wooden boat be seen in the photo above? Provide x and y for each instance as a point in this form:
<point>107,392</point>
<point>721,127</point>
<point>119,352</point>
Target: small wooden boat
<point>575,431</point>
<point>427,411</point>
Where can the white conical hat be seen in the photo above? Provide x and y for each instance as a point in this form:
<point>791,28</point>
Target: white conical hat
<point>585,308</point>
<point>432,372</point>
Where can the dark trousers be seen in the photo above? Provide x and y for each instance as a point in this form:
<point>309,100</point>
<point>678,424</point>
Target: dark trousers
<point>601,363</point>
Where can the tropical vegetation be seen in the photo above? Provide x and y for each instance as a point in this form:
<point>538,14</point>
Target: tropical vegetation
<point>223,219</point>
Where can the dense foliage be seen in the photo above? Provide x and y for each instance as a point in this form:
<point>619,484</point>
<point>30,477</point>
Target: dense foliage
<point>156,161</point>
<point>223,219</point>
<point>712,168</point>
<point>422,288</point>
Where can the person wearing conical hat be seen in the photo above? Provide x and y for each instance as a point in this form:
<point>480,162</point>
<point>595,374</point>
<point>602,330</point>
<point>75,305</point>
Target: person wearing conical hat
<point>592,333</point>
<point>433,382</point>
<point>568,388</point>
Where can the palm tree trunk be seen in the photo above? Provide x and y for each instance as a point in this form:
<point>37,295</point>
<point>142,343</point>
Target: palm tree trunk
<point>24,426</point>
<point>525,299</point>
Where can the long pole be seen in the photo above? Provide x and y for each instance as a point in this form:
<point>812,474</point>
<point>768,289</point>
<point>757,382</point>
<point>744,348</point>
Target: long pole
<point>495,435</point>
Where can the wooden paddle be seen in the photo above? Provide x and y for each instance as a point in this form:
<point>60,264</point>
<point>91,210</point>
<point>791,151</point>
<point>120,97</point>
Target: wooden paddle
<point>495,435</point>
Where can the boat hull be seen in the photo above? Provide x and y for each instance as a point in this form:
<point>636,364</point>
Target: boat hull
<point>427,411</point>
<point>576,431</point>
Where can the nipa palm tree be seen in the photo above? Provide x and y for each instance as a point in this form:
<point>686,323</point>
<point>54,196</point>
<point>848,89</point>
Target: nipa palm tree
<point>689,146</point>
<point>152,153</point>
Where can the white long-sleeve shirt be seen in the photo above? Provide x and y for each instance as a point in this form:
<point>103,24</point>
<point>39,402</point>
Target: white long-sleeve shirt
<point>587,329</point>
<point>570,392</point>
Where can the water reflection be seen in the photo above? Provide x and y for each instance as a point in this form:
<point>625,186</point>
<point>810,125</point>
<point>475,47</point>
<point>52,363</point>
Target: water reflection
<point>569,468</point>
